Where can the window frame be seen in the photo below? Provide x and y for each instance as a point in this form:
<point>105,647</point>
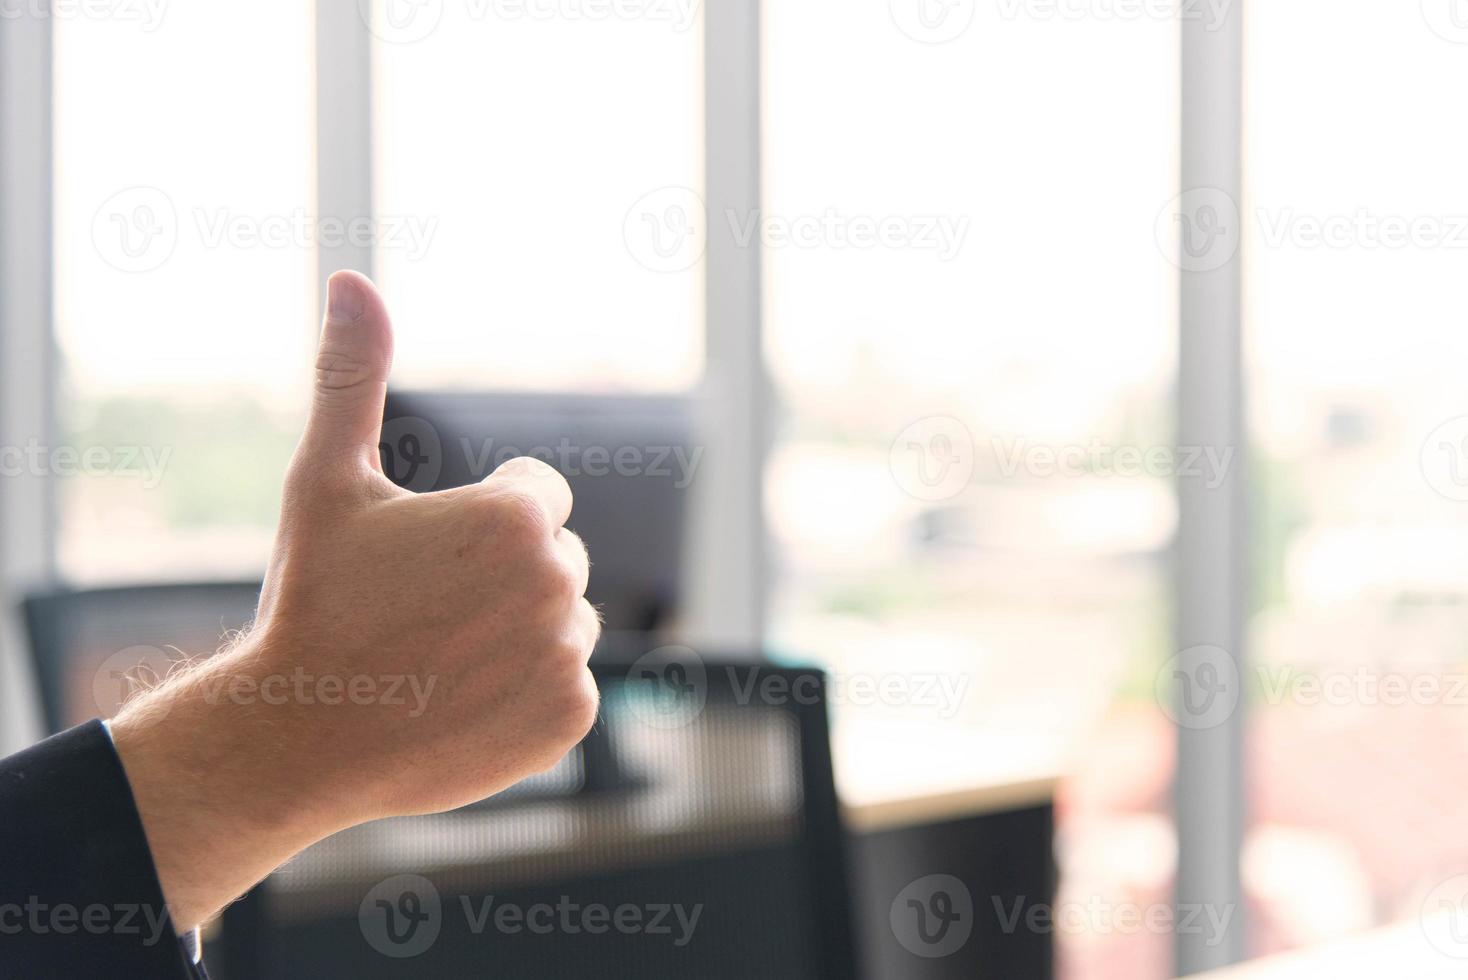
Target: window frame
<point>729,557</point>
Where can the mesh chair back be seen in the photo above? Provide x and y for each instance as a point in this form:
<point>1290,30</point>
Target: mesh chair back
<point>91,648</point>
<point>692,835</point>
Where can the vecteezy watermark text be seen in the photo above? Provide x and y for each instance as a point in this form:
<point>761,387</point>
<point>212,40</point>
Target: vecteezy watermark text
<point>138,229</point>
<point>934,459</point>
<point>1210,12</point>
<point>402,917</point>
<point>666,230</point>
<point>934,916</point>
<point>1202,228</point>
<point>1201,687</point>
<point>1097,458</point>
<point>305,688</point>
<point>147,14</point>
<point>413,455</point>
<point>668,688</point>
<point>1100,917</point>
<point>39,918</point>
<point>34,459</point>
<point>410,21</point>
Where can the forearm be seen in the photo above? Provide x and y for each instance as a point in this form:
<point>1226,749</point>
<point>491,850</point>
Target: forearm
<point>213,783</point>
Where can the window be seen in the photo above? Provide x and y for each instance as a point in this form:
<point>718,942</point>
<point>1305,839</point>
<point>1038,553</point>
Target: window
<point>185,284</point>
<point>549,158</point>
<point>1356,265</point>
<point>971,328</point>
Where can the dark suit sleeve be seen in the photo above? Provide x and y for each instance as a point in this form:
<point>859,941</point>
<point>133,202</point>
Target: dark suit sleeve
<point>79,896</point>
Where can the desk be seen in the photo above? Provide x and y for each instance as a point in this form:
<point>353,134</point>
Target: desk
<point>1401,952</point>
<point>921,802</point>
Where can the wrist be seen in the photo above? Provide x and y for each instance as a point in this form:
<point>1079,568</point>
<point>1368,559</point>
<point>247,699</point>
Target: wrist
<point>218,784</point>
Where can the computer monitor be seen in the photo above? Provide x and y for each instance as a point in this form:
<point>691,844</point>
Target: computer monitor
<point>630,460</point>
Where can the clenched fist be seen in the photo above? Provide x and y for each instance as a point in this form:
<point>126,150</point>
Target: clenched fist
<point>412,653</point>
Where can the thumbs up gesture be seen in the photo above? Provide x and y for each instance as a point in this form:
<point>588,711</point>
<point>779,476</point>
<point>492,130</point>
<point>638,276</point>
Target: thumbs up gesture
<point>412,653</point>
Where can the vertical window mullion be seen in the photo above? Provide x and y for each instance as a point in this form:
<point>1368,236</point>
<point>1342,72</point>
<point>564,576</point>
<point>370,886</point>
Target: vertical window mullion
<point>344,149</point>
<point>1212,533</point>
<point>729,549</point>
<point>27,345</point>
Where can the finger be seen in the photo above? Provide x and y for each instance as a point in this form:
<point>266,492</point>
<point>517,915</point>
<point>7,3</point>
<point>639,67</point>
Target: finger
<point>352,363</point>
<point>589,622</point>
<point>573,552</point>
<point>538,481</point>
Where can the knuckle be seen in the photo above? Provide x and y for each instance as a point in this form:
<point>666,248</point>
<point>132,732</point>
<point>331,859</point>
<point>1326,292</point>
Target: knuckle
<point>562,580</point>
<point>580,554</point>
<point>547,580</point>
<point>531,476</point>
<point>594,617</point>
<point>581,705</point>
<point>526,468</point>
<point>519,516</point>
<point>571,712</point>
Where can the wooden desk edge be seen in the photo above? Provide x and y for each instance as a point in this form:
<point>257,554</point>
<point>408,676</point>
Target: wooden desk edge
<point>930,808</point>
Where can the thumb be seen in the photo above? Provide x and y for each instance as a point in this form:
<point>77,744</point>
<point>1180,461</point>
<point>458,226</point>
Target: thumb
<point>352,364</point>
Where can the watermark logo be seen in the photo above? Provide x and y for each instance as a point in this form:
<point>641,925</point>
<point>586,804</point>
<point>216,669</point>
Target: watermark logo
<point>1211,13</point>
<point>938,694</point>
<point>933,916</point>
<point>666,230</point>
<point>1448,19</point>
<point>401,916</point>
<point>1200,229</point>
<point>413,456</point>
<point>667,688</point>
<point>1199,687</point>
<point>146,13</point>
<point>410,21</point>
<point>1331,686</point>
<point>130,673</point>
<point>673,922</point>
<point>942,234</point>
<point>932,21</point>
<point>147,924</point>
<point>1361,229</point>
<point>410,691</point>
<point>1207,464</point>
<point>1444,459</point>
<point>677,464</point>
<point>401,21</point>
<point>136,229</point>
<point>1444,917</point>
<point>411,453</point>
<point>933,458</point>
<point>145,463</point>
<point>1097,916</point>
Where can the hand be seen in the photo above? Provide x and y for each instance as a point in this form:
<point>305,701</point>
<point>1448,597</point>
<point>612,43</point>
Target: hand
<point>411,653</point>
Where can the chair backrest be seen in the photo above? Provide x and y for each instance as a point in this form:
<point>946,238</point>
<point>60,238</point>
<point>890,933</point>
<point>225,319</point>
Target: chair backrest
<point>91,646</point>
<point>694,834</point>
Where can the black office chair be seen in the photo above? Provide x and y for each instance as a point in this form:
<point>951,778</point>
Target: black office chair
<point>720,804</point>
<point>92,647</point>
<point>714,797</point>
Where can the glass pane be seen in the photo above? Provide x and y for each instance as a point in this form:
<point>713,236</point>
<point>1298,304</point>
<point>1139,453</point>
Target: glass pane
<point>185,281</point>
<point>1356,263</point>
<point>971,324</point>
<point>538,147</point>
